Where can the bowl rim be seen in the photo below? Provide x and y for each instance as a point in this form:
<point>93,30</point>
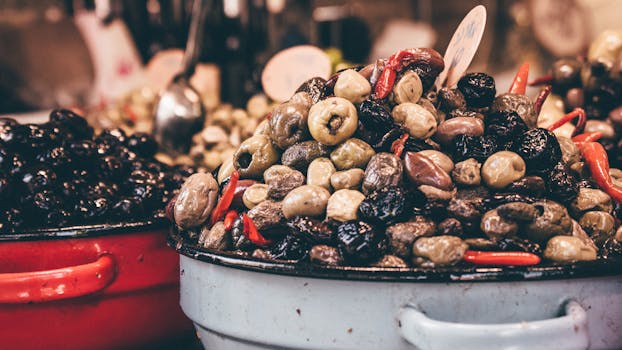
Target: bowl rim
<point>84,231</point>
<point>550,271</point>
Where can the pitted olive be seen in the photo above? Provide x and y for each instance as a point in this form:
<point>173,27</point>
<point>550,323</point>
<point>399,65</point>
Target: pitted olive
<point>390,261</point>
<point>420,123</point>
<point>599,225</point>
<point>343,205</point>
<point>300,155</point>
<point>281,179</point>
<point>552,220</point>
<point>568,249</point>
<point>440,250</point>
<point>254,156</point>
<point>307,200</point>
<point>467,172</point>
<point>288,124</point>
<point>591,199</point>
<point>383,170</point>
<point>196,199</point>
<point>348,179</point>
<point>254,195</point>
<point>495,227</point>
<point>503,168</point>
<point>216,237</point>
<point>353,153</point>
<point>325,255</point>
<point>570,151</point>
<point>352,86</point>
<point>332,121</point>
<point>408,88</point>
<point>439,158</point>
<point>402,235</point>
<point>319,172</point>
<point>453,127</point>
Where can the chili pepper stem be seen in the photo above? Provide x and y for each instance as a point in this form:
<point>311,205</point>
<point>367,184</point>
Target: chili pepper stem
<point>577,112</point>
<point>544,93</point>
<point>543,80</point>
<point>519,84</point>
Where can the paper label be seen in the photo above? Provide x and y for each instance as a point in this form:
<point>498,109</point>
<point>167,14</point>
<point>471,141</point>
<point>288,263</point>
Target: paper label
<point>288,69</point>
<point>463,46</point>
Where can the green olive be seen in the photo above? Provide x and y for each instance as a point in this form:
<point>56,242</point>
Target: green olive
<point>254,156</point>
<point>332,121</point>
<point>307,200</point>
<point>254,195</point>
<point>348,179</point>
<point>599,225</point>
<point>319,172</point>
<point>568,249</point>
<point>288,124</point>
<point>352,86</point>
<point>353,153</point>
<point>408,89</point>
<point>420,123</point>
<point>343,205</point>
<point>503,168</point>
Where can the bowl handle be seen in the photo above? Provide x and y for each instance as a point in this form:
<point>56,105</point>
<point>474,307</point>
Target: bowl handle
<point>565,332</point>
<point>63,283</point>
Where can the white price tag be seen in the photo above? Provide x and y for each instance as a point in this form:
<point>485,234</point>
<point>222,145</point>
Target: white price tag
<point>288,69</point>
<point>462,47</point>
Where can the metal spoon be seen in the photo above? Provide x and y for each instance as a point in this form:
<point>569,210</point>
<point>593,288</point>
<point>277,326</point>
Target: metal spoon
<point>179,112</point>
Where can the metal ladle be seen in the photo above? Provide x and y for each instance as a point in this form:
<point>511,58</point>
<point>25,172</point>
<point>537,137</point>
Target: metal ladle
<point>179,111</point>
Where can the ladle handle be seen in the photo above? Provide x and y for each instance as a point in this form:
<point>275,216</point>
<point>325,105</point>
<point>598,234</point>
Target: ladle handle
<point>195,37</point>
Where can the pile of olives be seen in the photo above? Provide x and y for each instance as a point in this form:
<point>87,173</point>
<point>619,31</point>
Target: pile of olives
<point>340,176</point>
<point>59,173</point>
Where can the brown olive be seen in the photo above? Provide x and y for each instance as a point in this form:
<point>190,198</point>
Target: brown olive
<point>579,232</point>
<point>196,199</point>
<point>599,225</point>
<point>552,220</point>
<point>439,158</point>
<point>570,151</point>
<point>600,126</point>
<point>348,179</point>
<point>383,170</point>
<point>225,170</point>
<point>591,199</point>
<point>288,124</point>
<point>254,156</point>
<point>480,244</point>
<point>332,121</point>
<point>436,194</point>
<point>390,261</point>
<point>352,86</point>
<point>408,88</point>
<point>325,255</point>
<point>343,205</point>
<point>568,249</point>
<point>254,195</point>
<point>263,128</point>
<point>605,49</point>
<point>420,123</point>
<point>300,155</point>
<point>450,226</point>
<point>440,250</point>
<point>302,98</point>
<point>519,103</point>
<point>502,168</point>
<point>467,172</point>
<point>453,127</point>
<point>450,99</point>
<point>615,116</point>
<point>281,179</point>
<point>353,153</point>
<point>421,170</point>
<point>402,235</point>
<point>216,237</point>
<point>494,226</point>
<point>257,106</point>
<point>307,200</point>
<point>319,172</point>
<point>267,214</point>
<point>518,211</point>
<point>575,98</point>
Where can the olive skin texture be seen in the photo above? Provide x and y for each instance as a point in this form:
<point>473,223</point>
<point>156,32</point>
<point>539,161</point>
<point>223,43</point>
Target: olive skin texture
<point>478,89</point>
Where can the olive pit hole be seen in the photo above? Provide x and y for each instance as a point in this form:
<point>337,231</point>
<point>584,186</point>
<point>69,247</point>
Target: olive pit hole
<point>334,123</point>
<point>244,160</point>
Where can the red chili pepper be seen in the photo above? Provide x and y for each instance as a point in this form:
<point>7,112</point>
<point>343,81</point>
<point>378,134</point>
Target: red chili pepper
<point>268,115</point>
<point>225,199</point>
<point>544,93</point>
<point>230,219</point>
<point>577,112</point>
<point>519,84</point>
<point>501,258</point>
<point>587,137</point>
<point>543,80</point>
<point>251,232</point>
<point>596,159</point>
<point>397,147</point>
<point>385,82</point>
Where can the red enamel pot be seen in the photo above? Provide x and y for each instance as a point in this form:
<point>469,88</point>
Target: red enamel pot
<point>90,287</point>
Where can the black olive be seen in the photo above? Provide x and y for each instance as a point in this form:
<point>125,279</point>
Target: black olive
<point>529,185</point>
<point>385,206</point>
<point>315,88</point>
<point>291,247</point>
<point>76,125</point>
<point>505,126</point>
<point>38,178</point>
<point>450,99</point>
<point>125,155</point>
<point>562,186</point>
<point>38,137</point>
<point>42,203</point>
<point>56,158</point>
<point>478,147</point>
<point>313,230</point>
<point>478,89</point>
<point>539,149</point>
<point>518,244</point>
<point>611,249</point>
<point>16,164</point>
<point>498,199</point>
<point>14,136</point>
<point>386,140</point>
<point>374,121</point>
<point>566,74</point>
<point>360,242</point>
<point>239,240</point>
<point>142,144</point>
<point>602,98</point>
<point>111,168</point>
<point>83,152</point>
<point>128,208</point>
<point>5,191</point>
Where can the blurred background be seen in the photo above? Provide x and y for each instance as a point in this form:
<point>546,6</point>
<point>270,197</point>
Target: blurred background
<point>85,54</point>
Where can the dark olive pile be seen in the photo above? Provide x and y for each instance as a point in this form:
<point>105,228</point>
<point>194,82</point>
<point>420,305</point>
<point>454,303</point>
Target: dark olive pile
<point>59,173</point>
<point>416,178</point>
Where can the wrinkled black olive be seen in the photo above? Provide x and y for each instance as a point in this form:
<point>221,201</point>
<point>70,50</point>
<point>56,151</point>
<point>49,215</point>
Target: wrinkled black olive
<point>529,185</point>
<point>13,136</point>
<point>315,88</point>
<point>539,149</point>
<point>291,247</point>
<point>56,158</point>
<point>384,143</point>
<point>518,244</point>
<point>505,126</point>
<point>478,147</point>
<point>38,178</point>
<point>498,199</point>
<point>450,99</point>
<point>611,249</point>
<point>76,125</point>
<point>374,121</point>
<point>314,230</point>
<point>385,206</point>
<point>478,89</point>
<point>360,242</point>
<point>561,185</point>
<point>142,144</point>
<point>127,208</point>
<point>602,98</point>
